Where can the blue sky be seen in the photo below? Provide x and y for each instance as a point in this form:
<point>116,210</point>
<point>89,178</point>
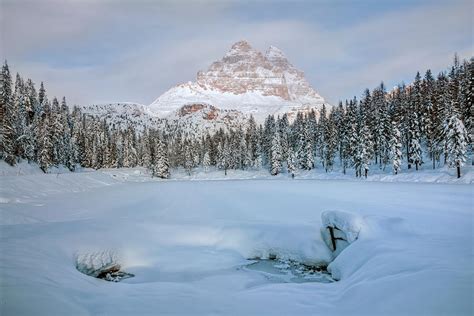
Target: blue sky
<point>105,51</point>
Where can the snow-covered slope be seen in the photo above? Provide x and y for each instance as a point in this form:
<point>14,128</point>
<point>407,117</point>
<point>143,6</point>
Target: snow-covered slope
<point>247,81</point>
<point>124,114</point>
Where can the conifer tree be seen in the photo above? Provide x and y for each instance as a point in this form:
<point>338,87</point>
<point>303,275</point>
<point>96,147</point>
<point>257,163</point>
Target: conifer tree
<point>456,140</point>
<point>206,161</point>
<point>160,166</point>
<point>415,150</point>
<point>396,148</point>
<point>45,139</point>
<point>7,117</point>
<point>276,156</point>
<point>291,162</point>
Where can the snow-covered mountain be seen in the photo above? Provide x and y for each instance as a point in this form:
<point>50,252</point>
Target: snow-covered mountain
<point>244,82</point>
<point>248,81</point>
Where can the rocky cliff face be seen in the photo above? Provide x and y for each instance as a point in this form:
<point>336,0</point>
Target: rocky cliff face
<point>244,69</point>
<point>248,81</point>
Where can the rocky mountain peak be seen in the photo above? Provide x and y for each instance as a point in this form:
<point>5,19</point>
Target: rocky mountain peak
<point>242,46</point>
<point>247,81</point>
<point>241,53</point>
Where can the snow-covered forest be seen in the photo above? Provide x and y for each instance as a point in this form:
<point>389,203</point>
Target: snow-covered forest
<point>425,123</point>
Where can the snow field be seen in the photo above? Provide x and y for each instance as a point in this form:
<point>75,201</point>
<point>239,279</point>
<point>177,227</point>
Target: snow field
<point>186,242</point>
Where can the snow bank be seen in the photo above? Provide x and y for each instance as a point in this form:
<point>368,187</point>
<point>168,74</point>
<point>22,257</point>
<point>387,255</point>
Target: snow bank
<point>340,229</point>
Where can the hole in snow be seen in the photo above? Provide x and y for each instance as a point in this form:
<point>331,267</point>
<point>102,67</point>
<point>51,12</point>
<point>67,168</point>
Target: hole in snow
<point>101,265</point>
<point>289,271</point>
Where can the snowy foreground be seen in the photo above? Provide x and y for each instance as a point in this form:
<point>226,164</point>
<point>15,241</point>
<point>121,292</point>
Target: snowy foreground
<point>187,242</point>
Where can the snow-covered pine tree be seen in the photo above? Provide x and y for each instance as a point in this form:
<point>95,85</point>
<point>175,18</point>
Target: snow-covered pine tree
<point>456,140</point>
<point>428,109</point>
<point>41,94</point>
<point>226,156</point>
<point>441,106</point>
<point>258,163</point>
<point>291,162</point>
<point>31,101</point>
<point>415,150</point>
<point>319,143</point>
<point>469,108</point>
<point>396,148</point>
<point>7,117</point>
<point>252,139</point>
<point>276,156</point>
<point>67,158</point>
<point>160,165</point>
<point>77,140</point>
<point>345,138</point>
<point>188,158</point>
<point>330,142</point>
<point>206,161</point>
<point>383,126</point>
<point>353,131</point>
<point>365,150</point>
<point>283,127</point>
<point>21,130</point>
<point>268,133</point>
<point>307,162</point>
<point>44,139</point>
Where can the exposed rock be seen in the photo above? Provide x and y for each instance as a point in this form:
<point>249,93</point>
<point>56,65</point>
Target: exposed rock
<point>244,69</point>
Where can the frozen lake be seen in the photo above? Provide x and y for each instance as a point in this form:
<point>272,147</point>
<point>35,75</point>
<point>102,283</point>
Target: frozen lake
<point>187,241</point>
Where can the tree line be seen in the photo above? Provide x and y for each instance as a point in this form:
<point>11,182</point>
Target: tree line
<point>428,121</point>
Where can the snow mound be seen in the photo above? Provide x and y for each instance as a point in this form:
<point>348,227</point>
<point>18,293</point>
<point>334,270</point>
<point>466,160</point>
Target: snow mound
<point>340,229</point>
<point>101,265</point>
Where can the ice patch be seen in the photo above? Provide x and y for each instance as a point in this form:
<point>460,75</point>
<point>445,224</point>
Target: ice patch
<point>289,271</point>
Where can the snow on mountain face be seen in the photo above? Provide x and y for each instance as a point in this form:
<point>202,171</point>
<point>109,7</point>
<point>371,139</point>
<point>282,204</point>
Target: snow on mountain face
<point>247,81</point>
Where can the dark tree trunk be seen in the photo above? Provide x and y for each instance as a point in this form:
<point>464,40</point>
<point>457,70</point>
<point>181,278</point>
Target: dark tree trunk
<point>459,171</point>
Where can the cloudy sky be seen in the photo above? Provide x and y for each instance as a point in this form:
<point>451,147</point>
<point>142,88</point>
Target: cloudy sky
<point>124,50</point>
